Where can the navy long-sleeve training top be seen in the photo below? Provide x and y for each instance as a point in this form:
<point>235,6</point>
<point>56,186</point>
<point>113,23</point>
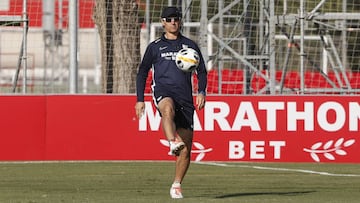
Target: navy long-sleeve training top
<point>160,56</point>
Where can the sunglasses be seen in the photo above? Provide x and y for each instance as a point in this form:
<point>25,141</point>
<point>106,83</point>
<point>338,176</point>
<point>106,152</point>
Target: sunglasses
<point>170,19</point>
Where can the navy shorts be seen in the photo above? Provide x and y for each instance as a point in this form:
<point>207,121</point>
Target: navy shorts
<point>184,112</point>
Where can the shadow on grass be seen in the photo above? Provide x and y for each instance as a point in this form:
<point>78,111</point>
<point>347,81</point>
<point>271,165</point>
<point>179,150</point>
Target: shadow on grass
<point>262,193</point>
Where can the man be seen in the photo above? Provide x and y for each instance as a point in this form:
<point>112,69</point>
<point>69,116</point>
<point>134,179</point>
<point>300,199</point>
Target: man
<point>172,91</point>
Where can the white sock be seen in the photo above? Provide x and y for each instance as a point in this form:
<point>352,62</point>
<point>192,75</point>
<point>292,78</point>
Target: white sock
<point>176,184</point>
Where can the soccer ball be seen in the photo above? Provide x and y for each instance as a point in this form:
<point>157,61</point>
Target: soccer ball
<point>187,59</point>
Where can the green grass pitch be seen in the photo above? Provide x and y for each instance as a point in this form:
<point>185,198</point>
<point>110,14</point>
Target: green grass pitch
<point>150,181</point>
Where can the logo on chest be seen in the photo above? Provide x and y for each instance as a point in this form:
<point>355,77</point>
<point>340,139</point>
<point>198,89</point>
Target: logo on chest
<point>168,55</point>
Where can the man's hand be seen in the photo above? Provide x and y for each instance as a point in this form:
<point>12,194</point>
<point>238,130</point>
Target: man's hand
<point>200,101</point>
<point>139,109</point>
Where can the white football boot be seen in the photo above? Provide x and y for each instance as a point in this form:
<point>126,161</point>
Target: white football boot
<point>176,147</point>
<point>175,191</point>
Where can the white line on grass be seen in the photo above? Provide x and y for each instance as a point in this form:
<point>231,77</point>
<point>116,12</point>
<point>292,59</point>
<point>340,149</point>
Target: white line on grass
<point>280,169</point>
<point>204,163</point>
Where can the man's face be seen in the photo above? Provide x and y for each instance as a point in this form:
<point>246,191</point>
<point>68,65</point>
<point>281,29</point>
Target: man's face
<point>171,24</point>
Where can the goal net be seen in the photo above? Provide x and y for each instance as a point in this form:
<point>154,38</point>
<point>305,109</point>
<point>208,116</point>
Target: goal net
<point>253,47</point>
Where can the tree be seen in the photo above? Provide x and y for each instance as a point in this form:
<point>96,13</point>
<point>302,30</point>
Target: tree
<point>119,30</point>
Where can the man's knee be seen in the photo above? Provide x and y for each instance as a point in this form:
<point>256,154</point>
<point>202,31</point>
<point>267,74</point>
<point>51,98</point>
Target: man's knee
<point>167,108</point>
<point>167,111</point>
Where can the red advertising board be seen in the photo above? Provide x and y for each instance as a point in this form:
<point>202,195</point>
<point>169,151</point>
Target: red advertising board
<point>230,128</point>
<point>22,124</point>
<point>273,129</point>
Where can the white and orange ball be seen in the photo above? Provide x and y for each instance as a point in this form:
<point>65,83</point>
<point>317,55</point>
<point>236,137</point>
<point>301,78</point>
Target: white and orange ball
<point>187,59</point>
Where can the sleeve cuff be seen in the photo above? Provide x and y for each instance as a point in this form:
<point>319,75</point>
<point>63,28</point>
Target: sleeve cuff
<point>203,93</point>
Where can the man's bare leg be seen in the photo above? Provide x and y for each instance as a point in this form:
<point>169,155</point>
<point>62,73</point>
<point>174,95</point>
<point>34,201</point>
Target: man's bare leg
<point>183,160</point>
<point>167,109</point>
<point>182,163</point>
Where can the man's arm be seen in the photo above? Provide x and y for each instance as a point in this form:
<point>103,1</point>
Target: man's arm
<point>201,73</point>
<point>141,77</point>
<point>142,74</point>
<point>202,82</point>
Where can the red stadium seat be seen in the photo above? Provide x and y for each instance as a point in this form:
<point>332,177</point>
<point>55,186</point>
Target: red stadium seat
<point>355,80</point>
<point>257,83</point>
<point>292,80</point>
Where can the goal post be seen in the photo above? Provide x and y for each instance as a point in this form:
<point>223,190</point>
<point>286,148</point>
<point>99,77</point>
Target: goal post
<point>18,20</point>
